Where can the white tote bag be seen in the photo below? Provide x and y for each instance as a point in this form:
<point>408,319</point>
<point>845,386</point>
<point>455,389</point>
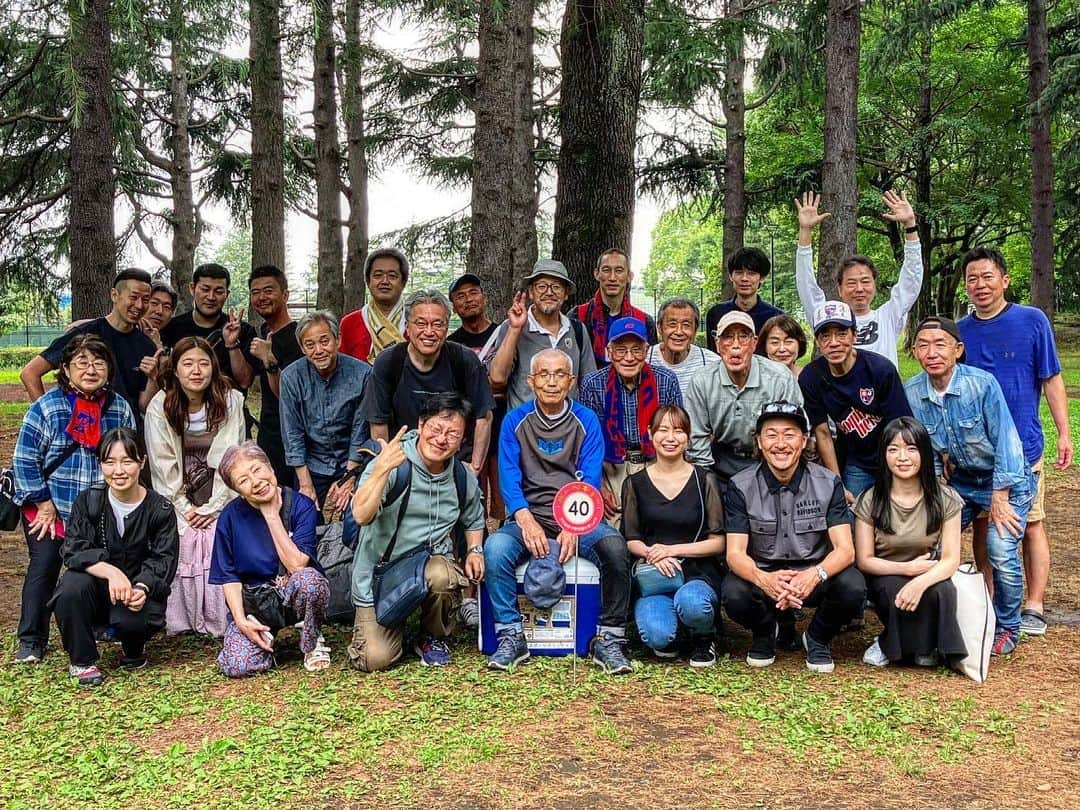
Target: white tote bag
<point>975,616</point>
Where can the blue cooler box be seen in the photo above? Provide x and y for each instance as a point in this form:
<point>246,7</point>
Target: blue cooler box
<point>552,632</point>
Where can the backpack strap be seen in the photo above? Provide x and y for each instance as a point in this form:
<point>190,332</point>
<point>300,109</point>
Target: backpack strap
<point>287,496</point>
<point>95,507</point>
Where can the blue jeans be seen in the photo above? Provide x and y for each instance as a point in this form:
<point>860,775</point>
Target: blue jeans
<point>857,480</point>
<point>658,617</point>
<point>504,551</point>
<point>1003,552</point>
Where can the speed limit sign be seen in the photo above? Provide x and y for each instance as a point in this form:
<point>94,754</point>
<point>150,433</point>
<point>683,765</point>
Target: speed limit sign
<point>578,507</point>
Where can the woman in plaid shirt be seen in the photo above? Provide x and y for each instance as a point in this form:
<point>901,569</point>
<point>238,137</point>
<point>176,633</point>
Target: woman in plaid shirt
<point>55,459</point>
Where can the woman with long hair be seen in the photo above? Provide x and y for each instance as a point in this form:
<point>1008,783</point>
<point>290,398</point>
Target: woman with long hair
<point>907,542</point>
<point>190,424</point>
<point>673,522</point>
<point>120,552</point>
<point>55,459</point>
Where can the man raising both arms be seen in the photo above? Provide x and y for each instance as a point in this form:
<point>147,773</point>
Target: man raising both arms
<point>876,330</point>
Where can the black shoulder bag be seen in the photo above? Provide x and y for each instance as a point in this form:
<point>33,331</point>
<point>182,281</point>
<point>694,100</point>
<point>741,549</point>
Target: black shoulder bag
<point>10,512</point>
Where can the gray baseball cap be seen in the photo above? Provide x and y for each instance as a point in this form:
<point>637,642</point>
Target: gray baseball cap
<point>552,269</point>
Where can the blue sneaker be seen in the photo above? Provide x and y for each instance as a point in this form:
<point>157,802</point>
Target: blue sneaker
<point>512,650</point>
<point>609,653</point>
<point>433,652</point>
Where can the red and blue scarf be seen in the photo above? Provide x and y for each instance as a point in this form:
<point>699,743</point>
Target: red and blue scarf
<point>85,423</point>
<point>648,401</point>
<point>595,315</point>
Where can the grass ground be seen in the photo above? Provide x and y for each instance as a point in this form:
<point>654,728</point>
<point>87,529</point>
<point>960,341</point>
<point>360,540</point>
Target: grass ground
<point>553,734</point>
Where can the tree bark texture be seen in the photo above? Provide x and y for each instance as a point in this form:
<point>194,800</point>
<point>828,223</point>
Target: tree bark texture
<point>358,240</point>
<point>1042,163</point>
<point>267,136</point>
<point>502,240</point>
<point>598,110</point>
<point>839,187</point>
<point>90,211</point>
<point>185,225</point>
<point>734,105</point>
<point>330,293</point>
<point>923,184</point>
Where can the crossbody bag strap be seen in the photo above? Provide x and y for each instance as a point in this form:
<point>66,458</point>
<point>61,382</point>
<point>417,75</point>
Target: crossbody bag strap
<point>54,465</point>
<point>403,501</point>
<point>701,499</point>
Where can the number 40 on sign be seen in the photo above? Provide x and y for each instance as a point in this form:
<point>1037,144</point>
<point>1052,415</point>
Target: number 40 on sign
<point>578,507</point>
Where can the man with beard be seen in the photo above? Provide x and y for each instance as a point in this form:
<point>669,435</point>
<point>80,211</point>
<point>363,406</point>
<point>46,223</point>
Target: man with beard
<point>380,323</point>
<point>227,334</point>
<point>527,331</point>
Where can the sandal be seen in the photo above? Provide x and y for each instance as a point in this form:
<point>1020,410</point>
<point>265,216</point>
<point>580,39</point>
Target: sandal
<point>317,660</point>
<point>1032,623</point>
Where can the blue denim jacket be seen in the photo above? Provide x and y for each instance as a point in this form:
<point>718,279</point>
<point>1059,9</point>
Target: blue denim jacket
<point>973,426</point>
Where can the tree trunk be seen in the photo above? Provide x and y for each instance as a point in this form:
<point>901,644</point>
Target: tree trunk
<point>185,238</point>
<point>1042,163</point>
<point>356,248</point>
<point>502,239</point>
<point>330,293</point>
<point>601,82</point>
<point>734,105</point>
<point>923,183</point>
<point>267,136</point>
<point>90,211</point>
<point>839,188</point>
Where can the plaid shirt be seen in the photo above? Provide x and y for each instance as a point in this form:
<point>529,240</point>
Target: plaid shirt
<point>592,397</point>
<point>42,438</point>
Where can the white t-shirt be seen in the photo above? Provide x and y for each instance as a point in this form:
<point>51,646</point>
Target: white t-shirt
<point>697,359</point>
<point>197,421</point>
<point>121,510</point>
<point>878,330</point>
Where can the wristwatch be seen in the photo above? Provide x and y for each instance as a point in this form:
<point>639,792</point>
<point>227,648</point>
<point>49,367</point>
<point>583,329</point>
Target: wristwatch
<point>476,550</point>
<point>822,573</point>
<point>142,586</point>
<point>272,368</point>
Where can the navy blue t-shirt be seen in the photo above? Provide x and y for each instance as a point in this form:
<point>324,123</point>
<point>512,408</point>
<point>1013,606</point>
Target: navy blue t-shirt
<point>1017,347</point>
<point>860,402</point>
<point>243,548</point>
<point>129,349</point>
<point>759,313</point>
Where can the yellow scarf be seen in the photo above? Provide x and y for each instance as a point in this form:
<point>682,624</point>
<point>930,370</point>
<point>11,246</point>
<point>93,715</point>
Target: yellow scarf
<point>385,331</point>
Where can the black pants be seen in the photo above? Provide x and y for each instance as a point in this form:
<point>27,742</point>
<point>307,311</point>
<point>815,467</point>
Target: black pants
<point>272,443</point>
<point>38,587</point>
<point>838,600</point>
<point>82,603</point>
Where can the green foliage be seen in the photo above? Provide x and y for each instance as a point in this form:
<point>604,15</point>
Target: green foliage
<point>13,358</point>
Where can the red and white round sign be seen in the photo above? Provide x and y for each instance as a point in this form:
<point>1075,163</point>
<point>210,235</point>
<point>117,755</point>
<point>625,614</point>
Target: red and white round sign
<point>578,507</point>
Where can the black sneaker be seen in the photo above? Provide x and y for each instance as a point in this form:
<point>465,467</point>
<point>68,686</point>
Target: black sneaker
<point>703,653</point>
<point>133,663</point>
<point>609,653</point>
<point>787,636</point>
<point>762,650</point>
<point>818,656</point>
<point>512,650</point>
<point>29,653</point>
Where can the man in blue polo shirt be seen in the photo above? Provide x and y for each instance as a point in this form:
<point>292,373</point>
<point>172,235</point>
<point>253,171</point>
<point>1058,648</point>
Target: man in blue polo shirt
<point>1016,344</point>
<point>859,390</point>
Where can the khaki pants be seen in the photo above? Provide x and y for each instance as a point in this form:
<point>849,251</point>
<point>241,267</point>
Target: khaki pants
<point>375,647</point>
<point>615,476</point>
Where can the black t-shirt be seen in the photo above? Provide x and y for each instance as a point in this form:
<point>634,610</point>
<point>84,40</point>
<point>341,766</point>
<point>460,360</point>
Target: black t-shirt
<point>397,390</point>
<point>286,350</point>
<point>129,348</point>
<point>184,325</point>
<point>473,340</point>
<point>860,402</point>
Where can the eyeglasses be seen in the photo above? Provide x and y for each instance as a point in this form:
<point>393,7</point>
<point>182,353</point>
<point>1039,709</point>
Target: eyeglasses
<point>436,326</point>
<point>544,287</point>
<point>450,434</point>
<point>83,363</point>
<point>557,376</point>
<point>637,350</point>
<point>742,339</point>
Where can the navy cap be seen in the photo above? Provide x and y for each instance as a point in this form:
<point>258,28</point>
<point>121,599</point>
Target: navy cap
<point>468,278</point>
<point>545,579</point>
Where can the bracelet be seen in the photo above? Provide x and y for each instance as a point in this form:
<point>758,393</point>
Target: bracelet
<point>912,229</point>
<point>142,586</point>
<point>234,346</point>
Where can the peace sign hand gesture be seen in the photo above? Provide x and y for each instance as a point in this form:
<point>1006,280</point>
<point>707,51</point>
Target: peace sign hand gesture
<point>391,455</point>
<point>230,332</point>
<point>516,315</point>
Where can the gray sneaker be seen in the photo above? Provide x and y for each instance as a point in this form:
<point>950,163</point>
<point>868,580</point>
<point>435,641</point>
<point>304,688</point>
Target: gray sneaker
<point>609,653</point>
<point>512,650</point>
<point>818,656</point>
<point>29,653</point>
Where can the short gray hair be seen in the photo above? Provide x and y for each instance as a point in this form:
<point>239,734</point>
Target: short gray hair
<point>679,302</point>
<point>422,297</point>
<point>238,452</point>
<point>546,353</point>
<point>309,319</point>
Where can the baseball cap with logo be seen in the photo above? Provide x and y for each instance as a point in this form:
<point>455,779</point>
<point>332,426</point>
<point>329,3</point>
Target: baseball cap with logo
<point>833,313</point>
<point>623,327</point>
<point>782,409</point>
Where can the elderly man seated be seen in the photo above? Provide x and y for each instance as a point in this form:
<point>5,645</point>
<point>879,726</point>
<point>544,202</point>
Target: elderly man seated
<point>544,445</point>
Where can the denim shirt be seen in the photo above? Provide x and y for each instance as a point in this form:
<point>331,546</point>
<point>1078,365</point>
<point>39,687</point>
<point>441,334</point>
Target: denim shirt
<point>972,424</point>
<point>321,423</point>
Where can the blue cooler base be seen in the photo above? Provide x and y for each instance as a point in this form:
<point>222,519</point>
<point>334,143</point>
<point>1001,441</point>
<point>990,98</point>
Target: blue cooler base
<point>552,632</point>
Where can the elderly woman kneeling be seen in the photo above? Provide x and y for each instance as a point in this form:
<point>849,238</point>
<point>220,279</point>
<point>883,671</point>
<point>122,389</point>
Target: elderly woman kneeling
<point>264,556</point>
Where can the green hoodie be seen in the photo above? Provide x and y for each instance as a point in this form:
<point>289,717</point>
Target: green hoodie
<point>431,515</point>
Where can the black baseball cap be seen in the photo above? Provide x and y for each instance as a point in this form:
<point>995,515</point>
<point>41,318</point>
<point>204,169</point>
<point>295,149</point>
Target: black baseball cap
<point>937,322</point>
<point>468,278</point>
<point>782,409</point>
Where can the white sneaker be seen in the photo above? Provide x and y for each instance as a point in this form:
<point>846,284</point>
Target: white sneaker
<point>874,656</point>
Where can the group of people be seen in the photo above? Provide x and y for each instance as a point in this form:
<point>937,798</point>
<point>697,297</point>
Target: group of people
<point>732,479</point>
